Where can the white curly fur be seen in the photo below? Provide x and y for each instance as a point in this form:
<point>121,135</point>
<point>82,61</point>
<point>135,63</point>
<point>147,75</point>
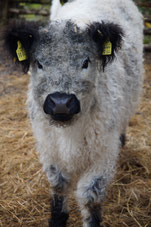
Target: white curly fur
<point>89,148</point>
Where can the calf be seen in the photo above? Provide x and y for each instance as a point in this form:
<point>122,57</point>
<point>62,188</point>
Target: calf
<point>86,78</point>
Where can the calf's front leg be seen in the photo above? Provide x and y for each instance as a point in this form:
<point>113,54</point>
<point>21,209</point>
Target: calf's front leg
<point>59,196</point>
<point>91,192</point>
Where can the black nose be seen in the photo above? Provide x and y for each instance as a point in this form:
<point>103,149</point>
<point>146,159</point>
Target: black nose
<point>61,106</point>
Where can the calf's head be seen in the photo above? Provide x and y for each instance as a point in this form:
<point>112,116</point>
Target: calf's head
<point>63,61</point>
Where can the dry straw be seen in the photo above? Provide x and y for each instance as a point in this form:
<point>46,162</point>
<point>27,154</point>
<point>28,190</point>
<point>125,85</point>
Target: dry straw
<point>24,190</point>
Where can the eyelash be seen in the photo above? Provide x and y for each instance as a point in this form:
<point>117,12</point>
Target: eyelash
<point>86,63</point>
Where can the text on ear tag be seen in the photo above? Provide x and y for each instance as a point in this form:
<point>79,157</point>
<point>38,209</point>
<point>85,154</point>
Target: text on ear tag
<point>107,48</point>
<point>21,53</point>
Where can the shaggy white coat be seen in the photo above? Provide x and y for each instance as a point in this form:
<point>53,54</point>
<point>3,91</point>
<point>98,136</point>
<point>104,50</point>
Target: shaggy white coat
<point>90,146</point>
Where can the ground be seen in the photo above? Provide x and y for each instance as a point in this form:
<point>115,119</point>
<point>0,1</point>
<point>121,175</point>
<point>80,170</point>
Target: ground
<point>24,190</point>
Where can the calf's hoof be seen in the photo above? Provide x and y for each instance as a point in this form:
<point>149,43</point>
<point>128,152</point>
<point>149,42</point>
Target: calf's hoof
<point>59,221</point>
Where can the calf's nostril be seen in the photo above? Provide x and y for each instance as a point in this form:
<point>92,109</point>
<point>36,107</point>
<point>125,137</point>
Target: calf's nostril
<point>68,101</point>
<point>52,101</point>
<point>73,105</point>
<point>49,105</point>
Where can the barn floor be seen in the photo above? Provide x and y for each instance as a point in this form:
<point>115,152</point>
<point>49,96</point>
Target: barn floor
<point>24,190</point>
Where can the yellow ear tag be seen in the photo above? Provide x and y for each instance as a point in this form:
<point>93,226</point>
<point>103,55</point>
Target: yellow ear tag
<point>21,53</point>
<point>107,48</point>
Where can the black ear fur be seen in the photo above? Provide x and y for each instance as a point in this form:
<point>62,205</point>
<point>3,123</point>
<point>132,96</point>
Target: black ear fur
<point>103,32</point>
<point>26,33</point>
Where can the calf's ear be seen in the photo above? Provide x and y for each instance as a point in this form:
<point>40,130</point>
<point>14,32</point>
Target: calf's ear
<point>108,39</point>
<point>19,40</point>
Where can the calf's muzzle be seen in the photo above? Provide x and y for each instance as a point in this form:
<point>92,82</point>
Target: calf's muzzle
<point>61,106</point>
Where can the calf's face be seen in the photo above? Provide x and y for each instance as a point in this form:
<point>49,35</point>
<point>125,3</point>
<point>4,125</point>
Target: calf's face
<point>63,72</point>
<point>64,63</point>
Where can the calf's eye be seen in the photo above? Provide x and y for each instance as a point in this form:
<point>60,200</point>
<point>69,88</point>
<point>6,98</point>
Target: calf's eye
<point>86,63</point>
<point>39,65</point>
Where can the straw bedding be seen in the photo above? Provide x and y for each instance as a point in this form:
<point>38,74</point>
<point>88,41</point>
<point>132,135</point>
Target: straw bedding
<point>24,190</point>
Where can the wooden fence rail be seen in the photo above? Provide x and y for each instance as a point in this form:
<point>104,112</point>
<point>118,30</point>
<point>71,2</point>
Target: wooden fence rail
<point>147,31</point>
<point>15,11</point>
<point>32,1</point>
<point>144,4</point>
<point>31,9</point>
